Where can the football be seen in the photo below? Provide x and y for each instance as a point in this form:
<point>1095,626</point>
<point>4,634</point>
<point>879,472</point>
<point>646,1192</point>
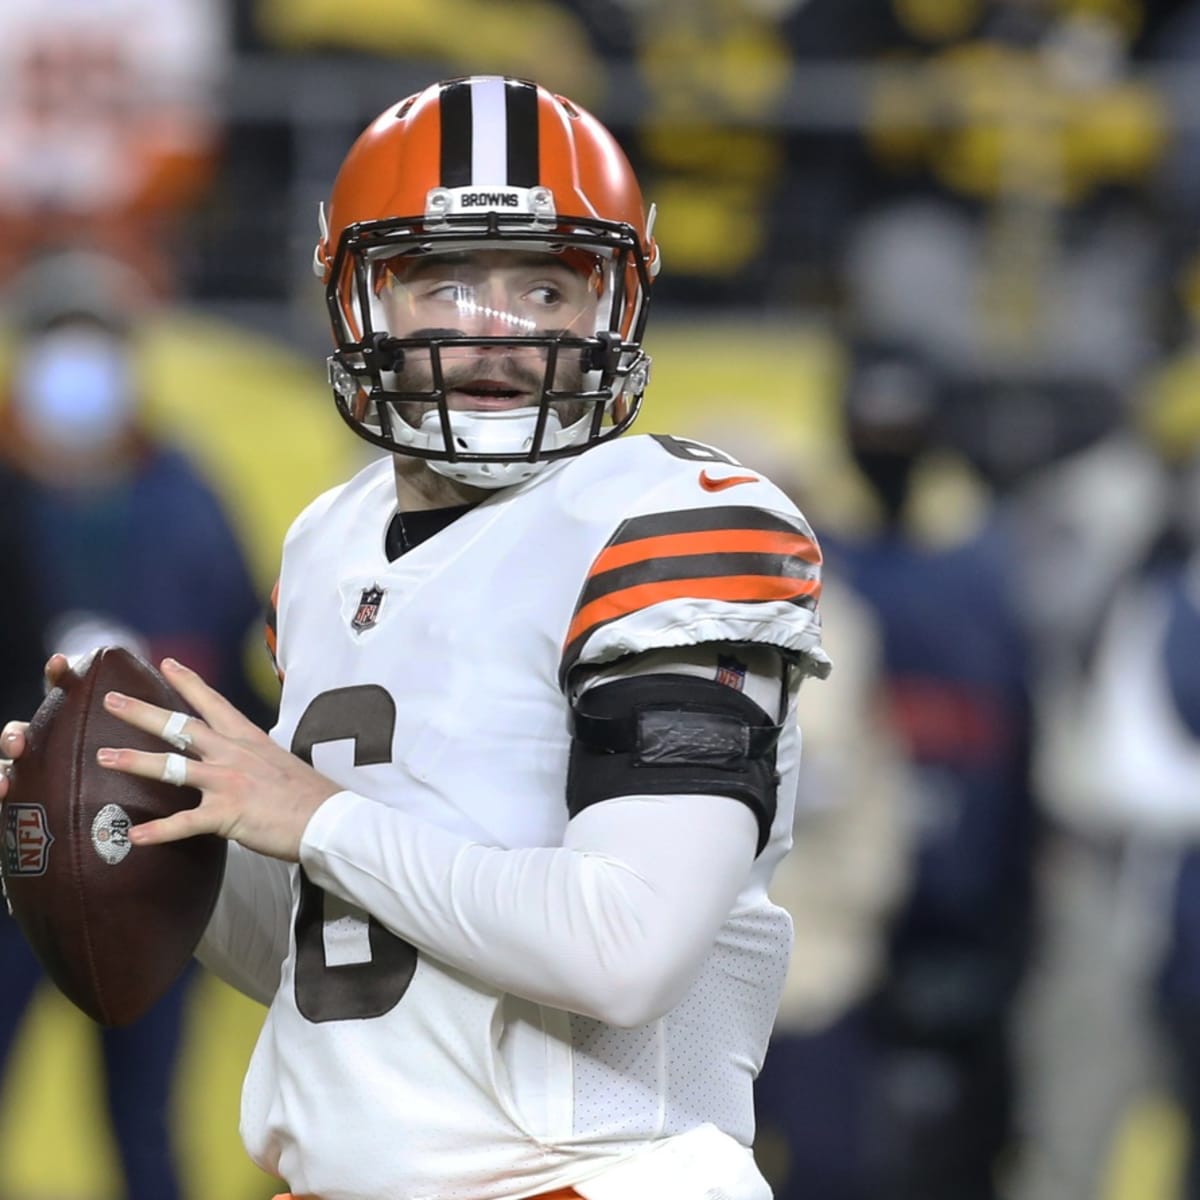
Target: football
<point>113,924</point>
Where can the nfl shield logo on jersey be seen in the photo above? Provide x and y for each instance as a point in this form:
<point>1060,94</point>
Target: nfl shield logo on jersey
<point>367,612</point>
<point>731,672</point>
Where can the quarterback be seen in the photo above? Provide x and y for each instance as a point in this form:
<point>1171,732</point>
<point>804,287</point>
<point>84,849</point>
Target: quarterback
<point>500,870</point>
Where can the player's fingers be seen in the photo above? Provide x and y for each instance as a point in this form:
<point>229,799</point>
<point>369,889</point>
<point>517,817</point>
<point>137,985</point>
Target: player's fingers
<point>188,823</point>
<point>12,739</point>
<point>12,744</point>
<point>207,701</point>
<point>57,665</point>
<point>170,768</point>
<point>177,729</point>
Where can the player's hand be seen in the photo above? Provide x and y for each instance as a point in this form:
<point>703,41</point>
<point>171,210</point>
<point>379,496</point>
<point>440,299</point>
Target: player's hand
<point>12,738</point>
<point>252,790</point>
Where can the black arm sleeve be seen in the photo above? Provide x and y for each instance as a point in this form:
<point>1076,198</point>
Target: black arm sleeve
<point>671,734</point>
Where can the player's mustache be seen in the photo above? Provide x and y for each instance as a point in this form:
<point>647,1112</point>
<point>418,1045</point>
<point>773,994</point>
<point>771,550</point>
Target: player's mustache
<point>494,370</point>
<point>510,368</point>
<point>498,368</point>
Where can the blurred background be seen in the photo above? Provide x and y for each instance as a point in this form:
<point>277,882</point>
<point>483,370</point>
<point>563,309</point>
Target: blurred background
<point>934,265</point>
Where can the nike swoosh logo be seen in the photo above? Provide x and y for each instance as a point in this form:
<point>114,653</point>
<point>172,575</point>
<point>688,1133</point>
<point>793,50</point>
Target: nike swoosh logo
<point>709,484</point>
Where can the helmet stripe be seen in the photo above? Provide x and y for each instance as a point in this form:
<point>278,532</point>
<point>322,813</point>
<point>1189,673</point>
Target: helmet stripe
<point>489,135</point>
<point>521,101</point>
<point>456,140</point>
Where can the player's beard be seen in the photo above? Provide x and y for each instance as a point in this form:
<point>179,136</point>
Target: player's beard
<point>523,372</point>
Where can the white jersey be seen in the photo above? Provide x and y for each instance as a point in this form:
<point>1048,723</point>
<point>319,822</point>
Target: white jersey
<point>435,684</point>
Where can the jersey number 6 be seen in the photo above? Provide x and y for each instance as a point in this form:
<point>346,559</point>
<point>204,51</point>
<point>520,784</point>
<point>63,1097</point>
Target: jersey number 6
<point>365,715</point>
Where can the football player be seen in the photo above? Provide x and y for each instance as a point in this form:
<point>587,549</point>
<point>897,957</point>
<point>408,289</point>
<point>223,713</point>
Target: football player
<point>500,871</point>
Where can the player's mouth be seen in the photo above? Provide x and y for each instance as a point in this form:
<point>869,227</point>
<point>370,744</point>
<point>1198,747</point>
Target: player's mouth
<point>488,395</point>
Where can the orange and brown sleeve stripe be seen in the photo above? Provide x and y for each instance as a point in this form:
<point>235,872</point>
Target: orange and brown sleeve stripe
<point>738,554</point>
<point>271,631</point>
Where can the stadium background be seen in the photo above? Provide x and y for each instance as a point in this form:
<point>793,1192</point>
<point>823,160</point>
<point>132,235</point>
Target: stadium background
<point>1010,184</point>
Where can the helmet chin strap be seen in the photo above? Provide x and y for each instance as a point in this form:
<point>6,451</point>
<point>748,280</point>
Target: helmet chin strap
<point>506,432</point>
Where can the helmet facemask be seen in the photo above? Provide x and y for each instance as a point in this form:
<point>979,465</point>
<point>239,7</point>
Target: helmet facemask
<point>487,344</point>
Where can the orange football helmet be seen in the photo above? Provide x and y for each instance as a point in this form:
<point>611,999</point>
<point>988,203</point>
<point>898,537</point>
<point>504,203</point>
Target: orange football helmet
<point>493,171</point>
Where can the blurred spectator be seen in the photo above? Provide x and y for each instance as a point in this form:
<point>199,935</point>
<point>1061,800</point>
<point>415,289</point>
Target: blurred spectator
<point>936,570</point>
<point>117,541</point>
<point>841,882</point>
<point>1111,541</point>
<point>1013,235</point>
<point>21,656</point>
<point>1172,48</point>
<point>107,122</point>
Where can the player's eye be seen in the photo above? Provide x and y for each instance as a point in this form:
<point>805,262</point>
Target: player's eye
<point>545,295</point>
<point>451,292</point>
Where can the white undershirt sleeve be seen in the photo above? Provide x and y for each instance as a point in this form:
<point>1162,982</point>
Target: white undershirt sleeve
<point>614,924</point>
<point>248,934</point>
